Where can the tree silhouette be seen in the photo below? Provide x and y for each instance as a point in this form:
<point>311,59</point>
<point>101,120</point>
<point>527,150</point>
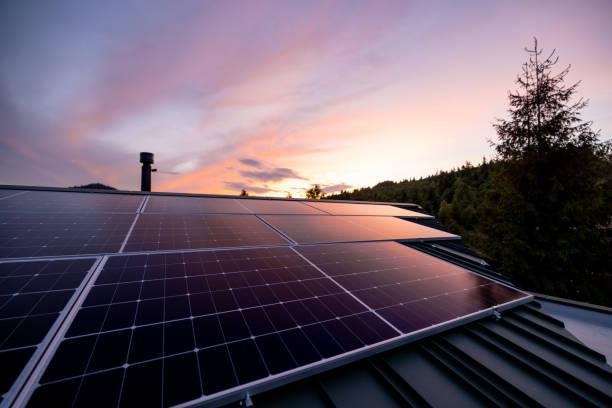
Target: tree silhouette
<point>315,192</point>
<point>243,193</point>
<point>549,199</point>
<point>543,116</point>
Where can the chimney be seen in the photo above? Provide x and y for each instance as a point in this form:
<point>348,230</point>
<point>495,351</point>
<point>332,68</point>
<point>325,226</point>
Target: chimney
<point>147,160</point>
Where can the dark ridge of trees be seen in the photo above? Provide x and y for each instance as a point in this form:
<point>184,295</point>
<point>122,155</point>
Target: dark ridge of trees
<point>541,212</point>
<point>454,196</point>
<point>96,186</point>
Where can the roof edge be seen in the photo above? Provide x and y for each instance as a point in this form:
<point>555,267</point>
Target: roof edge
<point>573,303</point>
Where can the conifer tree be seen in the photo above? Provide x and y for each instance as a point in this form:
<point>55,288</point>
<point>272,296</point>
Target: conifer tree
<point>548,207</point>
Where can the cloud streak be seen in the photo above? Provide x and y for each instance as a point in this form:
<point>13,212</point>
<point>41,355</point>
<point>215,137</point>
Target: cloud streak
<point>275,174</point>
<point>250,162</point>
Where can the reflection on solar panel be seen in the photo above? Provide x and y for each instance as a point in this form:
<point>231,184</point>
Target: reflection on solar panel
<point>158,325</point>
<point>53,202</point>
<point>410,289</point>
<point>279,207</point>
<point>166,329</point>
<point>7,193</point>
<point>32,295</point>
<point>182,205</point>
<point>308,229</point>
<point>154,232</point>
<point>46,234</point>
<point>365,209</point>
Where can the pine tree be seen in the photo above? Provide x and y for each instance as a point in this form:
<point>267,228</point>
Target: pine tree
<point>543,115</point>
<point>544,214</point>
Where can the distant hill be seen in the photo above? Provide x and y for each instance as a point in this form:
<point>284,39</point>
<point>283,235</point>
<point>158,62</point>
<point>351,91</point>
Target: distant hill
<point>95,186</point>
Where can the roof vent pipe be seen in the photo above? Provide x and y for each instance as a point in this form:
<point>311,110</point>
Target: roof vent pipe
<point>146,159</point>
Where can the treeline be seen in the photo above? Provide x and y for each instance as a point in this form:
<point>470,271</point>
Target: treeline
<point>454,196</point>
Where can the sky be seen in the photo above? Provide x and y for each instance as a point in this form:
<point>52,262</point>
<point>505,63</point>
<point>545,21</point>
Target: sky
<point>273,96</point>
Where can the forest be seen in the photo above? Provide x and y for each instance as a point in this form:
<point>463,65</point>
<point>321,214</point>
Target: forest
<point>540,212</point>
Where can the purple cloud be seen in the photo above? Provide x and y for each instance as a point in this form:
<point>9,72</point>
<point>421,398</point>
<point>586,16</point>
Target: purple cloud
<point>274,174</point>
<point>250,162</point>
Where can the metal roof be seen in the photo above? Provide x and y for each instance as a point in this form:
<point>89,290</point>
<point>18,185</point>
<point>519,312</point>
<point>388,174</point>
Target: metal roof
<point>591,325</point>
<point>526,358</point>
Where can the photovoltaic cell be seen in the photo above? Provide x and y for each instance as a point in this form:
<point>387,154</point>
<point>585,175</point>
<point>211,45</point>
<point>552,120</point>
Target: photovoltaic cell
<point>32,295</point>
<point>408,288</point>
<point>365,209</point>
<point>163,329</point>
<point>279,207</point>
<point>186,205</point>
<point>154,232</point>
<point>305,229</point>
<point>67,202</point>
<point>47,234</point>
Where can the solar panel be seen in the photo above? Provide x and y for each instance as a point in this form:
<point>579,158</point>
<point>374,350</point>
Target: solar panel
<point>209,297</point>
<point>32,296</point>
<point>54,234</point>
<point>182,205</point>
<point>165,329</point>
<point>365,209</point>
<point>279,207</point>
<point>305,229</point>
<point>408,288</point>
<point>65,202</point>
<point>154,232</point>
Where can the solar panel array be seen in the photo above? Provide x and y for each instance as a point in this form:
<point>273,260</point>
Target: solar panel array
<point>32,296</point>
<point>158,300</point>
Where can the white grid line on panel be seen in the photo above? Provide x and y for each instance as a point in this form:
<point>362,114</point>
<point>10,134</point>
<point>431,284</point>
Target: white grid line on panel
<point>129,233</point>
<point>143,204</point>
<point>347,291</point>
<point>281,233</point>
<point>140,210</point>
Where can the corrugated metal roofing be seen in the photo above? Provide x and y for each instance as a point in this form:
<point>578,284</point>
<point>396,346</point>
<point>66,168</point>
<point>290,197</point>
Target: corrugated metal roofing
<point>526,358</point>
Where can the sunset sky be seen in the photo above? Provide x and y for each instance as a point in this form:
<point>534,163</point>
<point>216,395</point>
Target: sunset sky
<point>272,96</point>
